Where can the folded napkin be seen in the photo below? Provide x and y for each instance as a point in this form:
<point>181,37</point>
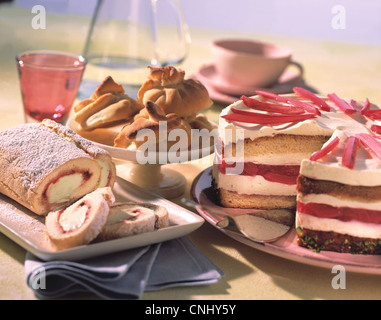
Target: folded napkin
<point>123,275</point>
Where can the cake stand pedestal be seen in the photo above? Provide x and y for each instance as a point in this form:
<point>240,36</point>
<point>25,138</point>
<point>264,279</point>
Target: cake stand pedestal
<point>166,182</point>
<point>155,176</point>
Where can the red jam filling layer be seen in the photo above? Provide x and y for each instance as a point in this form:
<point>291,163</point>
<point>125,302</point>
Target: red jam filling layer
<point>339,213</point>
<point>286,174</point>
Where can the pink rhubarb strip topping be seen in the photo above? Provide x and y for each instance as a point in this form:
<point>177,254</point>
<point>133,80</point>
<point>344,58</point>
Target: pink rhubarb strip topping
<point>325,150</point>
<point>370,142</point>
<point>341,104</point>
<point>307,107</point>
<point>260,118</point>
<point>304,93</point>
<point>350,152</point>
<point>376,128</point>
<point>271,107</point>
<point>366,107</point>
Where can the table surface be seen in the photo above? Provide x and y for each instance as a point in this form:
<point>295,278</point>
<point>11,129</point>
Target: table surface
<point>350,70</point>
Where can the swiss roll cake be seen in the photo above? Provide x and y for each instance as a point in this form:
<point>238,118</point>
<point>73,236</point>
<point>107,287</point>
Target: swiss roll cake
<point>44,166</point>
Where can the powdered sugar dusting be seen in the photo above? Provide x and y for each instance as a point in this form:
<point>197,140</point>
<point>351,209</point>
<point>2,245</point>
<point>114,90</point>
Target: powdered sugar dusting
<point>34,151</point>
<point>82,143</point>
<point>20,223</point>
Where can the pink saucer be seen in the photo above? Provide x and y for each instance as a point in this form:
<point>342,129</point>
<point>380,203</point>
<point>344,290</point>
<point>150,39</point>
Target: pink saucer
<point>219,86</point>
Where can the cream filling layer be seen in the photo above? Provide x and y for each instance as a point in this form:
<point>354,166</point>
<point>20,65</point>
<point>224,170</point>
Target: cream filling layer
<point>352,228</point>
<point>105,172</point>
<point>61,190</point>
<point>73,218</point>
<point>367,172</point>
<point>271,159</point>
<point>253,185</point>
<point>339,202</point>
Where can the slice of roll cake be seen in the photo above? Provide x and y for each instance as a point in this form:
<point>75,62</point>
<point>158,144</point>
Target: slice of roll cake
<point>131,218</point>
<point>81,222</point>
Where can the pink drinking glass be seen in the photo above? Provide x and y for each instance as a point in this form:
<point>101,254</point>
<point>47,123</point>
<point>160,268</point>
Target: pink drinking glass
<point>49,83</point>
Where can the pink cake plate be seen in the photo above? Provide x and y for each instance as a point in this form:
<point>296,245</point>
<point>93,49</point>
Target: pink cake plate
<point>287,246</point>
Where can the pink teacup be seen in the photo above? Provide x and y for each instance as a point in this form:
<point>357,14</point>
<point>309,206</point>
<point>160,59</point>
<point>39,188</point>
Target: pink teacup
<point>250,63</point>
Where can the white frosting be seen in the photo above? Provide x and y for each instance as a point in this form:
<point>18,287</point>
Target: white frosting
<point>352,228</point>
<point>271,159</point>
<point>366,172</point>
<point>105,172</point>
<point>339,202</point>
<point>323,125</point>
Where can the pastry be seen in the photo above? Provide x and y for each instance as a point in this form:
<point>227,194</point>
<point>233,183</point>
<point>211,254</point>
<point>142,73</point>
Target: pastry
<point>155,125</point>
<point>101,117</point>
<point>167,87</point>
<point>81,222</point>
<point>111,117</point>
<point>45,165</point>
<point>131,218</point>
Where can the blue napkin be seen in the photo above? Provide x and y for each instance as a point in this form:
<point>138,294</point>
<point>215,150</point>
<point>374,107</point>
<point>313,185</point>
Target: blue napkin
<point>123,275</point>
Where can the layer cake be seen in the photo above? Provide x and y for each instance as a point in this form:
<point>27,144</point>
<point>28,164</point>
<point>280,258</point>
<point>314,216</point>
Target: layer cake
<point>257,164</point>
<point>318,156</point>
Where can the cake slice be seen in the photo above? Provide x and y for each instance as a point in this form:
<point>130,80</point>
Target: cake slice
<point>339,196</point>
<point>81,222</point>
<point>131,218</point>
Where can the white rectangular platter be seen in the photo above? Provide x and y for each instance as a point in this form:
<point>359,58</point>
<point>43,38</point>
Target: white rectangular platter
<point>28,229</point>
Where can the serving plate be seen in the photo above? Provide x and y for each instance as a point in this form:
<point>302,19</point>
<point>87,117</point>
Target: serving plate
<point>28,229</point>
<point>287,246</point>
